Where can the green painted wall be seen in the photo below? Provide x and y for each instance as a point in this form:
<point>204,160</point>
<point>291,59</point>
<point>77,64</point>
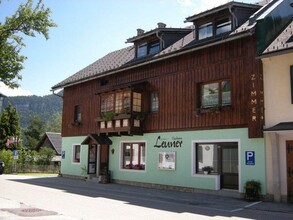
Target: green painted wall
<point>182,176</point>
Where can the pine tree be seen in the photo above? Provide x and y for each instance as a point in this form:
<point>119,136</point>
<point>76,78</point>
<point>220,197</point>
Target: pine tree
<point>10,129</point>
<point>34,132</point>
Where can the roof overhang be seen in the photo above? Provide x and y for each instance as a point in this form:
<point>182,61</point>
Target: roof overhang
<point>282,126</point>
<point>98,139</point>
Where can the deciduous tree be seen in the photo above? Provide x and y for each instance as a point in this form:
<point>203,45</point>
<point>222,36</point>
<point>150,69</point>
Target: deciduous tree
<point>29,19</point>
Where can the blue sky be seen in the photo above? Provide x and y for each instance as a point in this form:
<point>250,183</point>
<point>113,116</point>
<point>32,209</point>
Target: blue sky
<point>88,30</point>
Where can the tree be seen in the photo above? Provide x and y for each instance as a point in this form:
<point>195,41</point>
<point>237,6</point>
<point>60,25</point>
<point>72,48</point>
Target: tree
<point>9,128</point>
<point>27,20</point>
<point>34,131</point>
<point>54,123</point>
<point>45,155</point>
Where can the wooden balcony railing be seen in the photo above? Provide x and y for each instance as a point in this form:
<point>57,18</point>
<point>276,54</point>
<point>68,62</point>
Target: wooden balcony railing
<point>122,124</point>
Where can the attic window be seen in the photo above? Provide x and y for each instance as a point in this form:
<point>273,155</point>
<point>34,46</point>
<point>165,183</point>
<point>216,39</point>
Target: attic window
<point>223,26</point>
<point>148,49</point>
<point>205,31</point>
<point>142,50</point>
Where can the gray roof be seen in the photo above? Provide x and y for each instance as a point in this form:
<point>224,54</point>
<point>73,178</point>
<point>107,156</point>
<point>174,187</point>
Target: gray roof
<point>282,43</point>
<point>283,126</point>
<point>54,138</point>
<point>123,59</point>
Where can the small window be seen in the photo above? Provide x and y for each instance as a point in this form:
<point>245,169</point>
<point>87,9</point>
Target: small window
<point>154,102</point>
<point>76,153</point>
<point>133,156</point>
<point>136,105</point>
<point>216,93</point>
<point>205,31</point>
<point>223,26</point>
<point>154,48</point>
<point>142,50</point>
<point>77,114</point>
<point>107,103</point>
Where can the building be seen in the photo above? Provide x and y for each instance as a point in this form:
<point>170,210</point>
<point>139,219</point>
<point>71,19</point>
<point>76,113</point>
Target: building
<point>176,101</point>
<point>278,89</point>
<point>52,140</point>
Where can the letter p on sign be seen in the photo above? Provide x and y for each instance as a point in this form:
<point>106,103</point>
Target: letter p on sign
<point>249,157</point>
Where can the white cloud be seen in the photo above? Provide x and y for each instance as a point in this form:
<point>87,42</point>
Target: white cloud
<point>14,92</point>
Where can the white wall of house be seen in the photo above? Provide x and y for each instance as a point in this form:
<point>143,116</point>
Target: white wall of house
<point>278,108</point>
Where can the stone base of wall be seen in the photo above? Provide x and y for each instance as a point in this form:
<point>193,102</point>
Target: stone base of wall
<point>73,176</point>
<point>229,193</point>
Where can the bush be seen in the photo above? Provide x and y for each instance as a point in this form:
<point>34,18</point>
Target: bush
<point>6,156</point>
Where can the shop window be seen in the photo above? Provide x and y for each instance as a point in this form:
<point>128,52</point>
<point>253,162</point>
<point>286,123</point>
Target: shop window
<point>154,102</point>
<point>76,153</point>
<point>222,157</point>
<point>223,26</point>
<point>77,114</point>
<point>216,94</point>
<point>133,156</point>
<point>205,31</point>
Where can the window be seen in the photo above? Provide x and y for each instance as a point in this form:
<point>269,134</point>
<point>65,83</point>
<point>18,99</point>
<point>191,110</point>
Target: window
<point>154,102</point>
<point>223,26</point>
<point>136,106</point>
<point>133,156</point>
<point>120,102</point>
<point>142,50</point>
<point>154,48</point>
<point>205,31</point>
<point>222,157</point>
<point>77,114</point>
<point>148,49</point>
<point>216,93</point>
<point>76,153</point>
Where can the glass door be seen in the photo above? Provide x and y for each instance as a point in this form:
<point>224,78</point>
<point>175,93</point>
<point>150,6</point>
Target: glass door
<point>92,159</point>
<point>229,166</point>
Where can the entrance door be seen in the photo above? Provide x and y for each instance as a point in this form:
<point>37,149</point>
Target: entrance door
<point>92,159</point>
<point>289,145</point>
<point>104,157</point>
<point>229,166</point>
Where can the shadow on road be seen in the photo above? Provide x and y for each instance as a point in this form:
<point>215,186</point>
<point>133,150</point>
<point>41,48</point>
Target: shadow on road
<point>171,201</point>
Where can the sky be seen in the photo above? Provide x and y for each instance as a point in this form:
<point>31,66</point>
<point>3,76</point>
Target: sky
<point>88,30</point>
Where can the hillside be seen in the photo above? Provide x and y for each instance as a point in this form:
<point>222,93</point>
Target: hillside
<point>28,106</point>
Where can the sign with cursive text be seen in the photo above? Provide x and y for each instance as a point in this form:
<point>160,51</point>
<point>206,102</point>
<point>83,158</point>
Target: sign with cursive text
<point>174,142</point>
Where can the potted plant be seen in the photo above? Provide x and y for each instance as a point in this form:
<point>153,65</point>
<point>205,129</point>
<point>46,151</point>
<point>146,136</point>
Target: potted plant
<point>207,169</point>
<point>252,190</point>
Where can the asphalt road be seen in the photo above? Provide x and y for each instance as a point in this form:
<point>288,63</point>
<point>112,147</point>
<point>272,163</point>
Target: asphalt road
<point>64,198</point>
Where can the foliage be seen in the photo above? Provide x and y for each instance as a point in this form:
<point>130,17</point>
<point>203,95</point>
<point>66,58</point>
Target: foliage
<point>27,20</point>
<point>252,189</point>
<point>6,156</point>
<point>44,107</point>
<point>54,123</point>
<point>27,156</point>
<point>45,156</point>
<point>108,116</point>
<point>9,128</point>
<point>34,132</point>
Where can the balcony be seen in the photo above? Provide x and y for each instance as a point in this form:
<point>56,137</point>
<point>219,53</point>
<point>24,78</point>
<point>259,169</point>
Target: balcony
<point>122,124</point>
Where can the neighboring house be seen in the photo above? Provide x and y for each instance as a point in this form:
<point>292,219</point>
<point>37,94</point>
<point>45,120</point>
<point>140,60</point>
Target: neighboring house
<point>157,112</point>
<point>278,89</point>
<point>52,140</point>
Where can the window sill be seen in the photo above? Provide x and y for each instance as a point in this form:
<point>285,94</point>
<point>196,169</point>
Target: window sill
<point>212,109</point>
<point>133,170</point>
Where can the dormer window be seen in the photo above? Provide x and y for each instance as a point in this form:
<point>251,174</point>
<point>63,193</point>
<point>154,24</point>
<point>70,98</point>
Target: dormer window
<point>223,26</point>
<point>142,50</point>
<point>145,49</point>
<point>205,31</point>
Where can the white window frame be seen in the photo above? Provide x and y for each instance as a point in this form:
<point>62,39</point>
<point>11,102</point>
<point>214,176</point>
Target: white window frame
<point>73,153</point>
<point>121,156</point>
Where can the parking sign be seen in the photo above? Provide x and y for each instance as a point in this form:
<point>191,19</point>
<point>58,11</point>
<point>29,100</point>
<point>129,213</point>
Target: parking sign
<point>250,158</point>
<point>15,154</point>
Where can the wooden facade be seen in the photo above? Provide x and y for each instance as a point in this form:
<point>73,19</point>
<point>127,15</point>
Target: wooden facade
<point>177,81</point>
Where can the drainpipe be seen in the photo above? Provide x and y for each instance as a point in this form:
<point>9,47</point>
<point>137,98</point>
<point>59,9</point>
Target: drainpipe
<point>162,42</point>
<point>234,17</point>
